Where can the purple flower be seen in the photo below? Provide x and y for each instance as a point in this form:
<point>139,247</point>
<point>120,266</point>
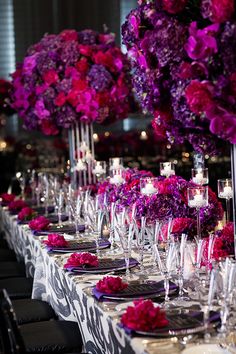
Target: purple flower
<point>40,109</point>
<point>29,64</point>
<point>223,124</point>
<point>201,43</point>
<point>99,78</point>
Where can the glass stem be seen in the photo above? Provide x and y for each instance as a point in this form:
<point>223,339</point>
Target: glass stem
<point>77,226</point>
<point>46,207</point>
<point>227,210</point>
<point>206,314</point>
<point>198,224</point>
<point>141,259</point>
<point>112,241</point>
<point>59,217</point>
<point>127,271</point>
<point>167,288</point>
<point>181,283</point>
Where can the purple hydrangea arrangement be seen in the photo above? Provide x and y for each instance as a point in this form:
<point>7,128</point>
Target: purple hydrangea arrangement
<point>72,77</point>
<point>183,55</point>
<point>170,201</point>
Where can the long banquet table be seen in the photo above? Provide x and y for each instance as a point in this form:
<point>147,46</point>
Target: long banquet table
<point>69,295</point>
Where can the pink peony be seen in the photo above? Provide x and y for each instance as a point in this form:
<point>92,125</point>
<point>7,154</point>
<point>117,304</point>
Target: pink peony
<point>7,198</point>
<point>174,6</point>
<point>40,223</point>
<point>17,205</point>
<point>60,100</point>
<point>85,259</point>
<point>199,97</point>
<point>26,214</point>
<point>111,285</point>
<point>56,240</point>
<point>144,316</point>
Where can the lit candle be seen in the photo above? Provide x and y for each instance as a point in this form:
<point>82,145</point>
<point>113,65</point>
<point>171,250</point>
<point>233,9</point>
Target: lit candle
<point>98,169</point>
<point>198,201</point>
<point>84,147</point>
<point>117,179</point>
<point>116,164</point>
<point>167,170</point>
<point>105,231</point>
<point>80,165</point>
<point>149,189</point>
<point>227,192</point>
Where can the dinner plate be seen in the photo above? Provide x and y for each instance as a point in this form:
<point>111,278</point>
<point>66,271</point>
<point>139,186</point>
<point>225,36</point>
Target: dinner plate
<point>205,349</point>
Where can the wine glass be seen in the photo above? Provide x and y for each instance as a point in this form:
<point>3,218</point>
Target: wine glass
<point>75,206</point>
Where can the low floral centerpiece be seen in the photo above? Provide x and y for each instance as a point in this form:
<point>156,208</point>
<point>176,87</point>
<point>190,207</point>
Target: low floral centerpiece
<point>184,68</point>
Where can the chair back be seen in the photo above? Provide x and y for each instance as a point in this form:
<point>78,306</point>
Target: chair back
<point>12,341</point>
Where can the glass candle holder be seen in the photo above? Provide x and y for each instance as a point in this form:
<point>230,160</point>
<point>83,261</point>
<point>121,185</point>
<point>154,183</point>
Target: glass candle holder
<point>148,185</point>
<point>99,168</point>
<point>200,176</point>
<point>167,169</point>
<point>225,191</point>
<point>117,176</point>
<point>198,198</point>
<point>116,163</point>
<point>81,165</point>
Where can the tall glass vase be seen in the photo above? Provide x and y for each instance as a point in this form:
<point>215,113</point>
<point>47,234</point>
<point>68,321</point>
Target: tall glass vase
<point>233,171</point>
<point>81,146</point>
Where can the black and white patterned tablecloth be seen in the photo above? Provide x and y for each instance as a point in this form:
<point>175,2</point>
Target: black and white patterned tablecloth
<point>66,294</point>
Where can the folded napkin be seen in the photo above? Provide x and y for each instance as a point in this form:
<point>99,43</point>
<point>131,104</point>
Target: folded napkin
<point>177,322</point>
<point>79,246</point>
<point>67,229</point>
<point>139,290</point>
<point>106,265</point>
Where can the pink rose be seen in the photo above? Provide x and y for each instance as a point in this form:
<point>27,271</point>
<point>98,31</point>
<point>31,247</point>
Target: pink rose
<point>199,97</point>
<point>111,285</point>
<point>50,77</point>
<point>144,316</point>
<point>26,214</point>
<point>7,198</point>
<point>17,205</point>
<point>85,50</point>
<point>180,225</point>
<point>174,6</point>
<point>60,100</point>
<point>69,35</point>
<point>82,259</point>
<point>48,128</point>
<point>40,223</point>
<point>56,240</point>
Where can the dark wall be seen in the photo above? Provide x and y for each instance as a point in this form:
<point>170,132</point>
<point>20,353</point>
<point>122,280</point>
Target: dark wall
<point>33,18</point>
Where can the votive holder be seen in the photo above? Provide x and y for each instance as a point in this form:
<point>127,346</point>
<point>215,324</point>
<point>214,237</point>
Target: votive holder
<point>99,169</point>
<point>198,198</point>
<point>116,163</point>
<point>167,169</point>
<point>200,176</point>
<point>148,186</point>
<point>117,176</point>
<point>225,191</point>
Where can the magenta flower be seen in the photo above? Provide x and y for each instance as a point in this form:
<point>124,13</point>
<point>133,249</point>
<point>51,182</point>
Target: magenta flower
<point>40,110</point>
<point>84,259</point>
<point>26,213</point>
<point>39,223</point>
<point>111,285</point>
<point>201,42</point>
<point>29,64</point>
<point>223,123</point>
<point>56,240</point>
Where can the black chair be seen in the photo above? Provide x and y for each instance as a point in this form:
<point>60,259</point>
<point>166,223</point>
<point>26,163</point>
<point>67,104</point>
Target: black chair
<point>17,288</point>
<point>7,255</point>
<point>31,310</point>
<point>11,269</point>
<point>40,337</point>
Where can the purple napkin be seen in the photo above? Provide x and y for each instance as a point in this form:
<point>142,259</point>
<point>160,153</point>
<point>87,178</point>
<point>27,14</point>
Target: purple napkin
<point>68,229</point>
<point>139,290</point>
<point>41,210</point>
<point>106,265</point>
<point>82,247</point>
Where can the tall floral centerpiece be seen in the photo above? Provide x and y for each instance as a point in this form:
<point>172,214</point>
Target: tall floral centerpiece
<point>71,80</point>
<point>183,55</point>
